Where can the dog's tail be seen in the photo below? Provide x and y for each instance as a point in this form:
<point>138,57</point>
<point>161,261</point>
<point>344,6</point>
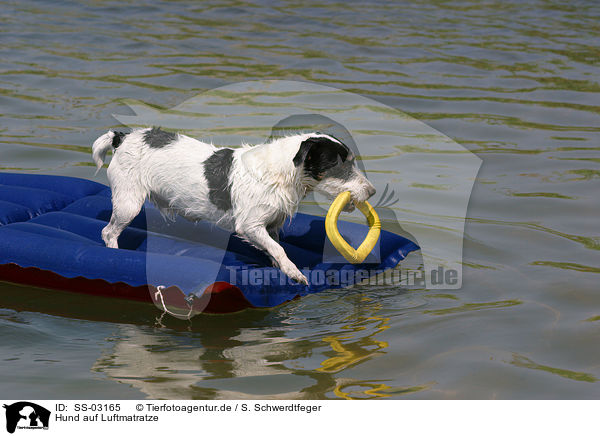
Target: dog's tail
<point>103,144</point>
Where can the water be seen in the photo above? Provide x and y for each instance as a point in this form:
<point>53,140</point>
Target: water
<point>514,82</point>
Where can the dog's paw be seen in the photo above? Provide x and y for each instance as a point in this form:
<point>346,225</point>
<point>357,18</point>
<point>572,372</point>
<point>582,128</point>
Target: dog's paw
<point>294,273</point>
<point>301,279</point>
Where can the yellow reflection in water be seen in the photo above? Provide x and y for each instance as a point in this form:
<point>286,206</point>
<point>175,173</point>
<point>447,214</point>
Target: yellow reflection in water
<point>350,353</point>
<point>353,348</point>
<point>373,390</point>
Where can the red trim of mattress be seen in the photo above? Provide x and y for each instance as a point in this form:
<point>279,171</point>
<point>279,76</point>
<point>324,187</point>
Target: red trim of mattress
<point>220,297</point>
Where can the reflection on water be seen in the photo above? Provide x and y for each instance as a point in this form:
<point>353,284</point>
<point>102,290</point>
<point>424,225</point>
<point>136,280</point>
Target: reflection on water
<point>256,354</point>
<point>522,94</point>
<point>573,375</point>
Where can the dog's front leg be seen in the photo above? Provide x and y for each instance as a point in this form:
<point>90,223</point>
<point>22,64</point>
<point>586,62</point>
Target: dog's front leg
<point>260,237</point>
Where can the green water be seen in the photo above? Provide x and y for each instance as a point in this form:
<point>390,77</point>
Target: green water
<point>516,83</point>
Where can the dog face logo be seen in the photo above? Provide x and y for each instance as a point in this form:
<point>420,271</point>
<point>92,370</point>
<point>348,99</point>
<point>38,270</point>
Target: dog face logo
<point>26,415</point>
<point>331,141</point>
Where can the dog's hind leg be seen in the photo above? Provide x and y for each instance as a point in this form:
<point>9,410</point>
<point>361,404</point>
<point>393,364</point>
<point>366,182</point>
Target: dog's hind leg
<point>259,236</point>
<point>124,211</point>
<point>127,203</point>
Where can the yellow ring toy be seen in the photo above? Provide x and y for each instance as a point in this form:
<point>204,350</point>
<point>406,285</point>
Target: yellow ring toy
<point>345,249</point>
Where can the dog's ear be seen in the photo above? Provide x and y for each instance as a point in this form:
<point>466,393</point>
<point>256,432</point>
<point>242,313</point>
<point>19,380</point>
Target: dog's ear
<point>327,152</point>
<point>305,147</point>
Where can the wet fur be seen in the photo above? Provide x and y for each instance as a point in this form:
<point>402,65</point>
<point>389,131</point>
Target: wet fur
<point>249,190</point>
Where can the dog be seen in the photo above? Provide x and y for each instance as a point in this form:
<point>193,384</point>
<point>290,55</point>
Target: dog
<point>249,190</point>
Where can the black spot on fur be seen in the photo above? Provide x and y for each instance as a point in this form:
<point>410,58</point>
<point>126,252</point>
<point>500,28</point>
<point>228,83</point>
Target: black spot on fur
<point>216,171</point>
<point>118,138</point>
<point>158,138</point>
<point>319,124</point>
<point>321,154</point>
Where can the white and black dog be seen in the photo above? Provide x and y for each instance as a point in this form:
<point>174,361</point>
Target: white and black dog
<point>249,190</point>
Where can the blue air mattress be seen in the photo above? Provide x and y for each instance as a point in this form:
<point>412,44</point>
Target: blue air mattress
<point>50,237</point>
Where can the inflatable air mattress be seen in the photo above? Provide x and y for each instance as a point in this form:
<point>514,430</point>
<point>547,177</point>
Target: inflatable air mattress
<point>50,237</point>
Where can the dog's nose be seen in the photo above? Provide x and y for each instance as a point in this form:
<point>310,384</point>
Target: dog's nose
<point>371,191</point>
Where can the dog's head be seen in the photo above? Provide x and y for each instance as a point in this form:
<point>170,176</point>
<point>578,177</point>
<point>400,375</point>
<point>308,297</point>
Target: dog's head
<point>328,166</point>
